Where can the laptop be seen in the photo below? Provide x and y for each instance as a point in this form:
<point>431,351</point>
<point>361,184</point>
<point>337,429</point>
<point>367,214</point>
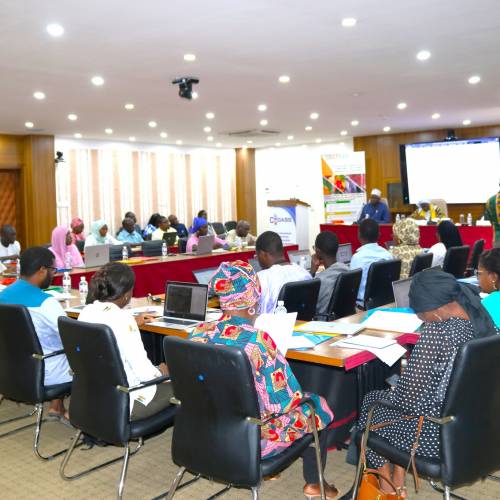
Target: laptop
<point>299,256</point>
<point>96,256</point>
<point>344,253</point>
<point>204,276</point>
<point>205,245</point>
<point>401,289</point>
<point>185,305</point>
<point>170,238</point>
<point>255,264</point>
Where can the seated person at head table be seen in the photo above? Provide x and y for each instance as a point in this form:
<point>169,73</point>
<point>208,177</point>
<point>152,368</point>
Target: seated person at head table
<point>376,209</point>
<point>65,252</point>
<point>426,211</point>
<point>326,247</point>
<point>368,253</point>
<point>200,228</point>
<point>242,232</point>
<point>128,234</point>
<point>406,235</point>
<point>99,235</point>
<point>276,270</point>
<point>448,236</point>
<point>452,315</point>
<point>237,286</point>
<point>10,248</point>
<point>77,228</point>
<point>164,227</point>
<point>203,215</point>
<point>152,226</point>
<point>492,213</point>
<point>37,272</point>
<point>180,228</point>
<point>488,274</point>
<point>110,291</point>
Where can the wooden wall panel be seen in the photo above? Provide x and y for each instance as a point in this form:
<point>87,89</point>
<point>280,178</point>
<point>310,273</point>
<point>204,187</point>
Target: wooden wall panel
<point>246,204</point>
<point>11,151</point>
<point>382,160</point>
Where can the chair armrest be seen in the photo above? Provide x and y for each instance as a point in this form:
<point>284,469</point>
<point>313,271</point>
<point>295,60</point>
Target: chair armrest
<point>41,357</point>
<point>142,385</point>
<point>304,401</point>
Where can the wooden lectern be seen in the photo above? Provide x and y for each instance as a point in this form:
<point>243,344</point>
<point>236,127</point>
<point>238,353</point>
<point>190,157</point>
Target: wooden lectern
<point>290,219</point>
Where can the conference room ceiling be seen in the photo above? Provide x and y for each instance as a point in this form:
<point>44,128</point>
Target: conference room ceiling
<point>242,48</point>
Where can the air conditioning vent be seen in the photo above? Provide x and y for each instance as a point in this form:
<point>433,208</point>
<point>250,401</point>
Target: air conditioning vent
<point>254,132</point>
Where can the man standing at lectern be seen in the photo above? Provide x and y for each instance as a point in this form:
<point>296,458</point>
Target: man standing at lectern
<point>375,209</point>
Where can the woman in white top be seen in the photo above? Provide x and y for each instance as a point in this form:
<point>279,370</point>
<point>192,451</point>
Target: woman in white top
<point>99,235</point>
<point>448,236</point>
<point>110,291</point>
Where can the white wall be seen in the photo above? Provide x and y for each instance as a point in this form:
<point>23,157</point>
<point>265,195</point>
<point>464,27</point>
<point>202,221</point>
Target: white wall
<point>294,172</point>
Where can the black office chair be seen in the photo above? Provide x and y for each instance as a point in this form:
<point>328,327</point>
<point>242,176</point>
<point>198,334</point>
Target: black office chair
<point>455,261</point>
<point>477,250</point>
<point>469,424</point>
<point>116,251</point>
<point>22,370</point>
<point>217,427</point>
<point>100,399</point>
<point>420,262</point>
<point>182,245</point>
<point>345,292</point>
<point>301,297</point>
<point>80,244</point>
<point>230,225</point>
<point>378,291</point>
<point>219,228</point>
<point>152,248</point>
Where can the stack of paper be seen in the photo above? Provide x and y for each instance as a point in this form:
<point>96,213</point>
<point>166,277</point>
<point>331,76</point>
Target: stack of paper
<point>280,328</point>
<point>393,322</point>
<point>330,327</point>
<point>60,295</point>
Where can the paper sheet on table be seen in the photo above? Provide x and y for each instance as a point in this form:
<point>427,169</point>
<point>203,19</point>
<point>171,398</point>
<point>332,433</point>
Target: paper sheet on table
<point>300,342</point>
<point>155,310</point>
<point>60,296</point>
<point>393,322</point>
<point>330,327</point>
<point>388,355</point>
<point>279,327</point>
<point>365,342</point>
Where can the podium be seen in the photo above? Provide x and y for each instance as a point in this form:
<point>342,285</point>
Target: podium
<point>290,219</point>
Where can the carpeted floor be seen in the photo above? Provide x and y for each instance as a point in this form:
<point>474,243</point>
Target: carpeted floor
<point>22,476</point>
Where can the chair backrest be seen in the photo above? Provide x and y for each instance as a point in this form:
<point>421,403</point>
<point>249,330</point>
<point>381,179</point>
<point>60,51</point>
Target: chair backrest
<point>455,261</point>
<point>21,376</point>
<point>470,443</point>
<point>97,407</point>
<point>343,300</point>
<point>115,251</point>
<point>441,204</point>
<point>230,225</point>
<point>381,274</point>
<point>219,228</point>
<point>477,250</point>
<point>420,262</point>
<point>216,388</point>
<point>80,244</point>
<point>152,248</point>
<point>301,297</point>
<point>182,245</point>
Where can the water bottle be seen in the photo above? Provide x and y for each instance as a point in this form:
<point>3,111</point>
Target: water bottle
<point>67,261</point>
<point>462,219</point>
<point>164,249</point>
<point>18,268</point>
<point>280,308</point>
<point>124,252</point>
<point>83,288</point>
<point>303,262</point>
<point>237,242</point>
<point>66,282</point>
<point>398,218</point>
<point>403,217</point>
<point>469,219</point>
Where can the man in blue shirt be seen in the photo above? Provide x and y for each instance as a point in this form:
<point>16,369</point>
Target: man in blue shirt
<point>128,234</point>
<point>376,209</point>
<point>368,253</point>
<point>180,228</point>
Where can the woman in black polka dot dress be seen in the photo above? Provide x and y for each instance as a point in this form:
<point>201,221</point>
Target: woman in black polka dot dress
<point>452,316</point>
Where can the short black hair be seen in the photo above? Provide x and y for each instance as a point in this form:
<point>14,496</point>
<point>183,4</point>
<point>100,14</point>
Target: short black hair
<point>110,282</point>
<point>130,215</point>
<point>490,260</point>
<point>327,243</point>
<point>269,242</point>
<point>7,229</point>
<point>34,258</point>
<point>201,212</point>
<point>369,230</point>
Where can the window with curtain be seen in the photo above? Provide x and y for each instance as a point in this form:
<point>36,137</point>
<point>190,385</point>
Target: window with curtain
<point>104,182</point>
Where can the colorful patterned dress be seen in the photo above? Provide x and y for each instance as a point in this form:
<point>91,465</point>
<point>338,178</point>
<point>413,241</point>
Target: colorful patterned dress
<point>277,388</point>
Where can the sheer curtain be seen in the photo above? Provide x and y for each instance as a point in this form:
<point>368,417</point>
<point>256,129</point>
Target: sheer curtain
<point>103,181</point>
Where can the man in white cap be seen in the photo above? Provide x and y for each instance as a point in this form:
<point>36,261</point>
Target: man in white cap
<point>376,209</point>
<point>492,213</point>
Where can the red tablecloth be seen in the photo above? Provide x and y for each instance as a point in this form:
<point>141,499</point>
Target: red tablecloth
<point>428,237</point>
<point>151,276</point>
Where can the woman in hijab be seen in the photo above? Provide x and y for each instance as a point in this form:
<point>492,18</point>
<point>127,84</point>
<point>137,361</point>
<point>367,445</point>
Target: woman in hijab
<point>427,211</point>
<point>452,314</point>
<point>406,235</point>
<point>77,228</point>
<point>200,228</point>
<point>448,237</point>
<point>238,289</point>
<point>63,249</point>
<point>99,235</point>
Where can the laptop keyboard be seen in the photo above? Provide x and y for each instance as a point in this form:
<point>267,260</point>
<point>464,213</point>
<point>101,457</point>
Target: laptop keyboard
<point>178,321</point>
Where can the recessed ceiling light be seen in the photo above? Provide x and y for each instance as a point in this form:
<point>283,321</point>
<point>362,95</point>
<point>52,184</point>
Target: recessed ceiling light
<point>39,95</point>
<point>314,116</point>
<point>178,142</point>
<point>355,123</point>
<point>152,124</point>
<point>129,106</point>
<point>210,116</point>
<point>163,135</point>
<point>77,135</point>
<point>249,142</point>
<point>387,128</point>
<point>423,55</point>
<point>308,128</point>
<point>194,95</point>
<point>55,30</point>
<point>219,144</point>
<point>97,81</point>
<point>349,22</point>
<point>342,143</point>
<point>343,132</point>
<point>189,57</point>
<point>474,79</point>
<point>207,129</point>
<point>466,122</point>
<point>29,124</point>
<point>108,131</point>
<point>210,138</point>
<point>435,116</point>
<point>318,141</point>
<point>262,107</point>
<point>402,105</point>
<point>290,137</point>
<point>131,138</point>
<point>263,122</point>
<point>72,117</point>
<point>278,144</point>
<point>284,79</point>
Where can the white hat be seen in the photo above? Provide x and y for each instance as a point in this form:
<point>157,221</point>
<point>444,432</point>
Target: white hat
<point>376,192</point>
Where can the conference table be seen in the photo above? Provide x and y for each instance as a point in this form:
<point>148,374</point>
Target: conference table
<point>428,234</point>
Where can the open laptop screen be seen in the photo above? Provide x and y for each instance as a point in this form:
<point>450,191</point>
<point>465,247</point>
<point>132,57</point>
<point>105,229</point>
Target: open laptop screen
<point>295,257</point>
<point>186,300</point>
<point>401,290</point>
<point>203,276</point>
<point>344,253</point>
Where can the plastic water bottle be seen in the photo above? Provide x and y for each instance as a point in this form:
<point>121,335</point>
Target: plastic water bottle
<point>469,219</point>
<point>164,249</point>
<point>280,308</point>
<point>398,218</point>
<point>68,261</point>
<point>237,242</point>
<point>124,252</point>
<point>66,282</point>
<point>18,268</point>
<point>83,288</point>
<point>462,219</point>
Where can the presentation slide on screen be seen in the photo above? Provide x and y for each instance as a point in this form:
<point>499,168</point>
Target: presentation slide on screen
<point>458,171</point>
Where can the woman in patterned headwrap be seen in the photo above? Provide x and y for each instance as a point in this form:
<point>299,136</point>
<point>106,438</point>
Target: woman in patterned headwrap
<point>406,237</point>
<point>77,228</point>
<point>278,391</point>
